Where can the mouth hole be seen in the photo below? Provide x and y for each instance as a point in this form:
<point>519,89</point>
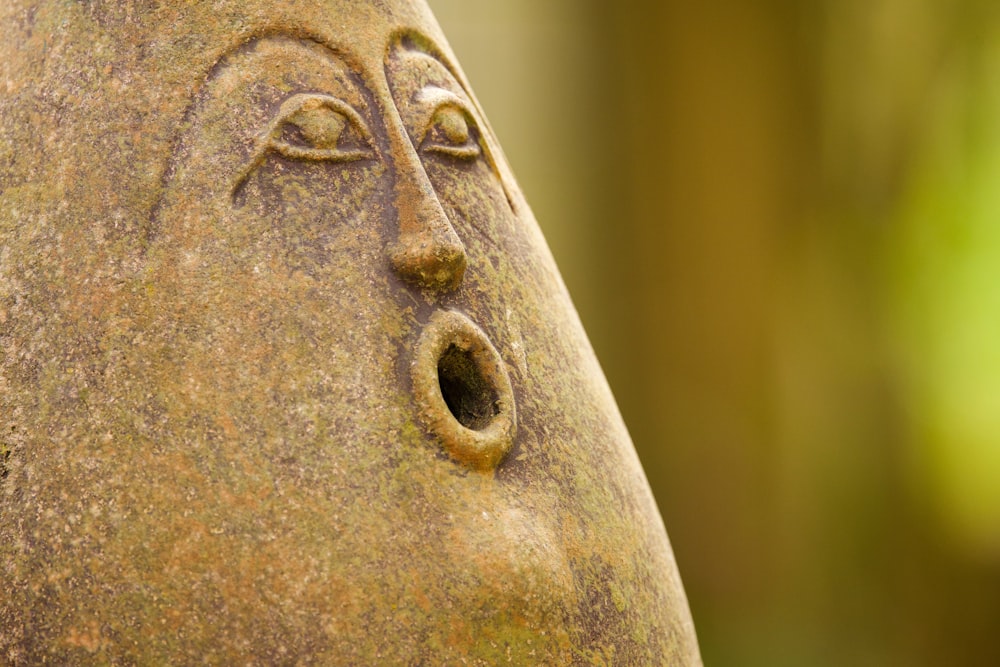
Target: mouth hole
<point>469,395</point>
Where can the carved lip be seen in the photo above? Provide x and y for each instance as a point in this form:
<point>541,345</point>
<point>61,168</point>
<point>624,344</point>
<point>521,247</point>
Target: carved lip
<point>463,391</point>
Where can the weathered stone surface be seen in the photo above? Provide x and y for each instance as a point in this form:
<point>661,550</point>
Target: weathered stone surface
<point>289,375</point>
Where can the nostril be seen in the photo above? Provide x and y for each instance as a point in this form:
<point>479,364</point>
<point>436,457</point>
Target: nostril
<point>471,398</point>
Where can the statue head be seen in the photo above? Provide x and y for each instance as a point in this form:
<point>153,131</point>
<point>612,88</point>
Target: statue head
<point>313,391</point>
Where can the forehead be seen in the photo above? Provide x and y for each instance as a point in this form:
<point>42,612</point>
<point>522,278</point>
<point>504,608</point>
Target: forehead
<point>409,65</point>
<point>286,64</point>
<point>181,35</point>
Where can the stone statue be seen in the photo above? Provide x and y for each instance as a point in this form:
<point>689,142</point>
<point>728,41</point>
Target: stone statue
<point>289,375</point>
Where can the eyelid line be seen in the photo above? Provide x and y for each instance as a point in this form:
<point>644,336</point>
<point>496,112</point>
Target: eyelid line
<point>268,139</point>
<point>435,99</point>
<point>297,102</point>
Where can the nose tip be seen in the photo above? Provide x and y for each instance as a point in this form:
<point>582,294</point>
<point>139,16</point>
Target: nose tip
<point>430,263</point>
<point>427,252</point>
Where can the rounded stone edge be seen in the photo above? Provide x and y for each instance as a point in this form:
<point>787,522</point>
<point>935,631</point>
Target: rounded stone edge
<point>481,450</point>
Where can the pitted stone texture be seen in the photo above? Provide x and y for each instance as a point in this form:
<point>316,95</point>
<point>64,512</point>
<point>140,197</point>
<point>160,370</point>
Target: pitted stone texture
<point>225,227</point>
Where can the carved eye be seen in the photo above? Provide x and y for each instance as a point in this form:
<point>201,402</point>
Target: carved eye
<point>319,127</point>
<point>314,127</point>
<point>451,131</point>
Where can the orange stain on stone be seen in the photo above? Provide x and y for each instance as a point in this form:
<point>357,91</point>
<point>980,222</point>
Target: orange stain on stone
<point>89,638</point>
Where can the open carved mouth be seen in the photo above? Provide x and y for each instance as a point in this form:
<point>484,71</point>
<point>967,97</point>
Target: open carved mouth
<point>463,391</point>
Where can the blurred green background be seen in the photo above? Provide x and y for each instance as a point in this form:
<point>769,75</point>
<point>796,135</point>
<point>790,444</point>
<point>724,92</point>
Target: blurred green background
<point>780,222</point>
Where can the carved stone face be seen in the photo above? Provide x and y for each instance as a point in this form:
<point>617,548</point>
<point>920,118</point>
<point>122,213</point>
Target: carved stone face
<point>288,182</point>
<point>314,220</point>
<point>346,414</point>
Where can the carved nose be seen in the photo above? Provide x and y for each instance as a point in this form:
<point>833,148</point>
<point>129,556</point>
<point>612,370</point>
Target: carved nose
<point>427,252</point>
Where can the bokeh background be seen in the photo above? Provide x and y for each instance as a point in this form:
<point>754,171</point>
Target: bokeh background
<point>780,222</point>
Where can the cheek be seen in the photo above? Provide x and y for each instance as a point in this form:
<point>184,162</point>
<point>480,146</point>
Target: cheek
<point>319,219</point>
<point>291,277</point>
<point>475,202</point>
<point>259,334</point>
